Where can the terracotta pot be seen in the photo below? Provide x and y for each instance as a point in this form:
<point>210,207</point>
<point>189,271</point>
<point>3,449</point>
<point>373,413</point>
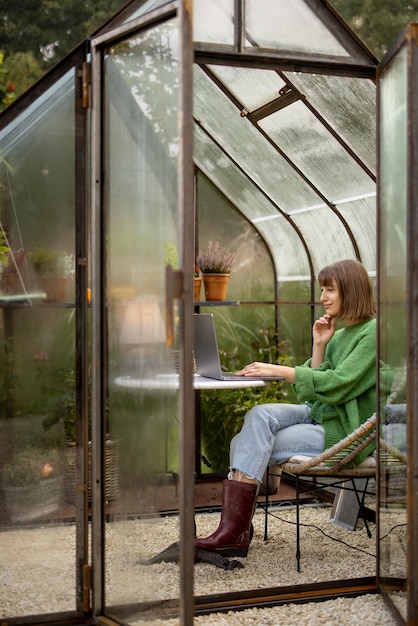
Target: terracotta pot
<point>197,288</point>
<point>54,288</point>
<point>9,283</point>
<point>216,286</point>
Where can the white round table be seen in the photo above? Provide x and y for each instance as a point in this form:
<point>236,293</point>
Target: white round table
<point>171,381</point>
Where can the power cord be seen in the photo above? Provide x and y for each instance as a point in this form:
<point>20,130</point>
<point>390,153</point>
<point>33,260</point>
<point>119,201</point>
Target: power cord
<point>344,543</point>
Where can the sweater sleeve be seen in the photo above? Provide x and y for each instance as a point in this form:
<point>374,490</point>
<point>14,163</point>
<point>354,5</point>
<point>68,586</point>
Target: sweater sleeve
<point>343,376</point>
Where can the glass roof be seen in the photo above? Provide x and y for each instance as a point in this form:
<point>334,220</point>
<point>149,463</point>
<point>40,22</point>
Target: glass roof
<point>294,148</point>
<point>291,26</point>
<point>284,109</point>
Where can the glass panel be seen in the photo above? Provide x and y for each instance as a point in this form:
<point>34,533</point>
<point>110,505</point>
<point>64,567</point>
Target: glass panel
<point>360,215</point>
<point>276,231</point>
<point>312,148</point>
<point>323,243</point>
<point>351,111</point>
<point>213,21</point>
<point>248,147</point>
<point>147,7</point>
<point>393,320</point>
<point>251,87</point>
<point>252,276</point>
<point>37,356</point>
<point>141,135</point>
<point>269,173</point>
<point>289,26</point>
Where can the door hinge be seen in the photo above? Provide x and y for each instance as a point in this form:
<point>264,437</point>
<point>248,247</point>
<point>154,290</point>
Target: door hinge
<point>174,280</point>
<point>86,588</point>
<point>86,82</point>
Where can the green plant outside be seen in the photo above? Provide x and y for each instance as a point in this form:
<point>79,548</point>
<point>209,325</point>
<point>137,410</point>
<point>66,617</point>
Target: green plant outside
<point>60,392</point>
<point>31,466</point>
<point>30,453</point>
<point>4,251</point>
<point>45,262</point>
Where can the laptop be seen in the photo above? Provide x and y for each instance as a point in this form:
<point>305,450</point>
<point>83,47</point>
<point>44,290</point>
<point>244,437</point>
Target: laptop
<point>206,353</point>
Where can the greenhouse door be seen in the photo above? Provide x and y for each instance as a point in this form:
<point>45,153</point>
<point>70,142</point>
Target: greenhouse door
<point>398,324</point>
<point>142,274</point>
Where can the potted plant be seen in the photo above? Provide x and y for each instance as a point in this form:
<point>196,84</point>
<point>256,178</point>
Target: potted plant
<point>52,269</point>
<point>32,483</point>
<point>197,283</point>
<point>215,262</point>
<point>31,467</point>
<point>62,408</point>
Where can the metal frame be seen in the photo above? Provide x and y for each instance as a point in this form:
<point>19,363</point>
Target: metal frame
<point>205,54</point>
<point>408,38</point>
<point>183,281</point>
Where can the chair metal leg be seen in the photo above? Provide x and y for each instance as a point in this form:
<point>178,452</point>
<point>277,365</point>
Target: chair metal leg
<point>360,500</point>
<point>297,525</point>
<point>266,504</point>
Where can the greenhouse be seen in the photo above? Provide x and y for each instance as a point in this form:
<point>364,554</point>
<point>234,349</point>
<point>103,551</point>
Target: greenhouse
<point>260,133</point>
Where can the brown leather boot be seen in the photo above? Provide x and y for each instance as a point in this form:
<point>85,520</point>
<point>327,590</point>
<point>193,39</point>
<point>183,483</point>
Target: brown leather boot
<point>233,536</point>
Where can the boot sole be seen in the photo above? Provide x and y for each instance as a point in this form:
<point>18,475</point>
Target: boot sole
<point>228,552</point>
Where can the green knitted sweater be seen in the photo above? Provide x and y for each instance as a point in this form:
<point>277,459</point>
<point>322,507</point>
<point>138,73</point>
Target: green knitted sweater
<point>342,390</point>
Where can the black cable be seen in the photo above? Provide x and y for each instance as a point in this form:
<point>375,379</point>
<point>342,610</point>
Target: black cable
<point>321,531</point>
<point>393,528</point>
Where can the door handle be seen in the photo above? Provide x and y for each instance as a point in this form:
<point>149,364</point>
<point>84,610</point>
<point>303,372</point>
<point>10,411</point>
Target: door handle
<point>173,291</point>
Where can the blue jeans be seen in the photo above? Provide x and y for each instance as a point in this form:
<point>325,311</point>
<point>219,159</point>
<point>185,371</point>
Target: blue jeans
<point>272,433</point>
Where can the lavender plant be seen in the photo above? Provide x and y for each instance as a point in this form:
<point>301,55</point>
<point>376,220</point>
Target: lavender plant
<point>215,259</point>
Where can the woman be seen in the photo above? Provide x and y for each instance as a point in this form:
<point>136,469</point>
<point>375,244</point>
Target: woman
<point>337,386</point>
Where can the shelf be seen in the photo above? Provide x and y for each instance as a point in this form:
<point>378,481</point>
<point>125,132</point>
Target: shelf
<point>31,300</point>
<point>19,299</point>
<point>218,303</point>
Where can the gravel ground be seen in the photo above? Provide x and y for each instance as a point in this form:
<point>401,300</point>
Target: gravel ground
<point>368,610</point>
<point>37,573</point>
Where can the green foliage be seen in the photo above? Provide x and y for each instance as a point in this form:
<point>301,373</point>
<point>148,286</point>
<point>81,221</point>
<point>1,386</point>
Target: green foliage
<point>45,262</point>
<point>377,22</point>
<point>48,28</point>
<point>59,389</point>
<point>223,411</point>
<point>4,251</point>
<point>36,34</point>
<point>52,263</point>
<point>32,453</point>
<point>18,72</point>
<point>31,466</point>
<point>171,255</point>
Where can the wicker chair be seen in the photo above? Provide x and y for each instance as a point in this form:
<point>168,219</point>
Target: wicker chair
<point>337,463</point>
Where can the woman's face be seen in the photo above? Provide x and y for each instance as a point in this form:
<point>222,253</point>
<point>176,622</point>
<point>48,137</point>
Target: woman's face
<point>330,298</point>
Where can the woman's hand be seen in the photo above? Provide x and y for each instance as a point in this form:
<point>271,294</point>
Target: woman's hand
<point>323,330</point>
<point>268,369</point>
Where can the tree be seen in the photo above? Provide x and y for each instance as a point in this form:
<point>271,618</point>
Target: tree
<point>377,22</point>
<point>50,28</point>
<point>36,34</point>
<point>17,73</point>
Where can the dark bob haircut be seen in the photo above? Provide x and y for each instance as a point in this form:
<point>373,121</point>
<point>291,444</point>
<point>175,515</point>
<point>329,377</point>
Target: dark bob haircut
<point>354,286</point>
